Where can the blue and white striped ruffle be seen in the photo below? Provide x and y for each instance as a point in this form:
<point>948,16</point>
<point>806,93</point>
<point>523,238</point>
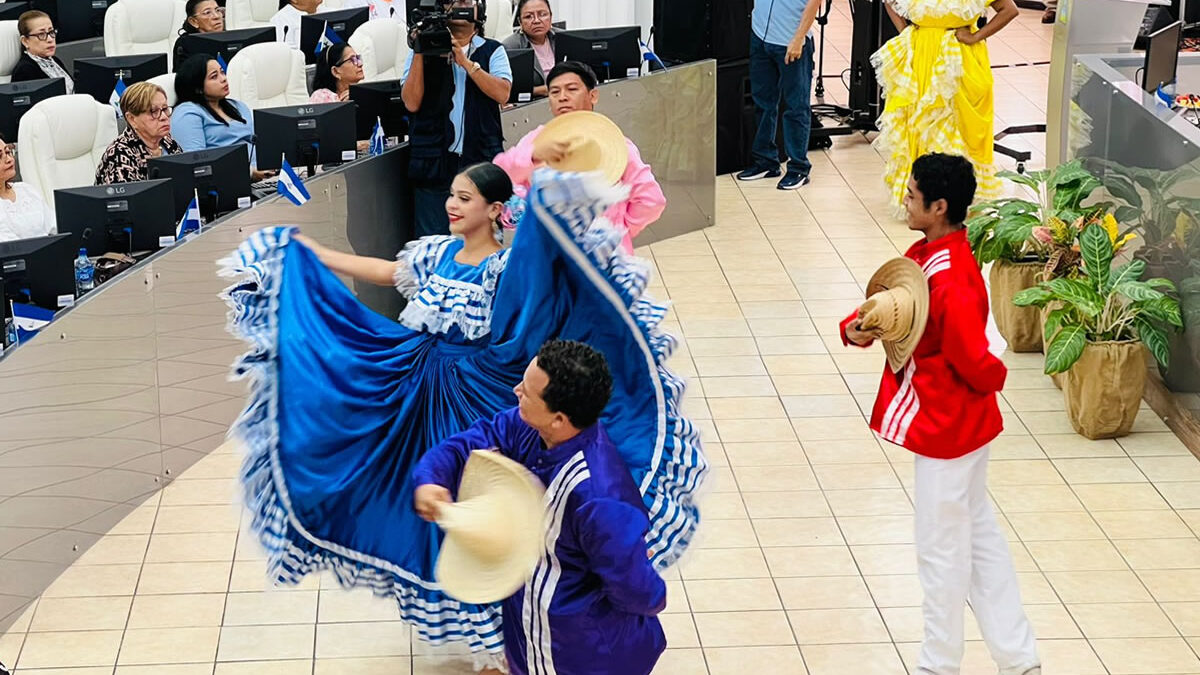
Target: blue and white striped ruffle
<point>679,466</point>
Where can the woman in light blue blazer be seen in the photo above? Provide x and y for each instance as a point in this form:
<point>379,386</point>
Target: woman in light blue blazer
<point>205,117</point>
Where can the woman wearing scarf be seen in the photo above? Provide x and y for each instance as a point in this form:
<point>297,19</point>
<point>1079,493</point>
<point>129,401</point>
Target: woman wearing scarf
<point>40,41</point>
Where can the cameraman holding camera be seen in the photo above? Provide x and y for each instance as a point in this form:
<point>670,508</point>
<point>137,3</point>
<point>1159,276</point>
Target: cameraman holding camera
<point>454,83</point>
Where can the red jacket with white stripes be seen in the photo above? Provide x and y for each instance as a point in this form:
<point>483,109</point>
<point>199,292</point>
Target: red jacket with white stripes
<point>943,403</point>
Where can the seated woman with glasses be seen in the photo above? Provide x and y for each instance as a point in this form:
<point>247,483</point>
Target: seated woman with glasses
<point>287,20</point>
<point>205,116</point>
<point>40,41</point>
<point>149,135</point>
<point>338,67</point>
<point>23,212</point>
<point>537,34</point>
<point>203,16</point>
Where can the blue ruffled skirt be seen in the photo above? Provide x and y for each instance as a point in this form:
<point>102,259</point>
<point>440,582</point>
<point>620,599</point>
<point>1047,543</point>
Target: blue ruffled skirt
<point>343,402</point>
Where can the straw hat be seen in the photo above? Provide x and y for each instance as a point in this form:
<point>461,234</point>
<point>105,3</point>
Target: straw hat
<point>494,532</point>
<point>898,307</point>
<point>595,144</point>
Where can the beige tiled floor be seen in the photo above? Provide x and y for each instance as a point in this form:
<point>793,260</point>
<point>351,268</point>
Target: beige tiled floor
<point>805,561</point>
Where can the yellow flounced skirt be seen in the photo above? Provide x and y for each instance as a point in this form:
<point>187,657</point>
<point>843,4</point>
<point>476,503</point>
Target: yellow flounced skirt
<point>938,98</point>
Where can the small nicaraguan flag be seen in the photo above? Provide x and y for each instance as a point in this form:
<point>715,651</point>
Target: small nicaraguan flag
<point>378,139</point>
<point>328,39</point>
<point>114,99</point>
<point>190,221</point>
<point>649,56</point>
<point>221,62</point>
<point>291,186</point>
<point>1165,97</point>
<point>29,319</point>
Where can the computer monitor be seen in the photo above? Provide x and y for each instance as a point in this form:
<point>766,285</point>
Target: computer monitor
<point>522,74</point>
<point>119,218</point>
<point>1162,57</point>
<point>11,11</point>
<point>381,101</point>
<point>75,19</point>
<point>39,271</point>
<point>342,21</point>
<point>613,53</point>
<point>320,133</point>
<point>98,76</point>
<point>220,177</point>
<point>224,43</point>
<point>16,98</point>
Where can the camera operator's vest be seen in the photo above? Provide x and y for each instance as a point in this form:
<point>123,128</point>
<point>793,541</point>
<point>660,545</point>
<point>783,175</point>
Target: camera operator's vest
<point>431,131</point>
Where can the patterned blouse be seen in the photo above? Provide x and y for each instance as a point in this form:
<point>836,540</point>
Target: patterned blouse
<point>125,161</point>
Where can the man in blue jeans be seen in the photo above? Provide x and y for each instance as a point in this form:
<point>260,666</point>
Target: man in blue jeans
<point>781,63</point>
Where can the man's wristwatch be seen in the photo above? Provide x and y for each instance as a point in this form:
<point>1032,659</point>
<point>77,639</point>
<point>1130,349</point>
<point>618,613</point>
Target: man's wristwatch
<point>475,67</point>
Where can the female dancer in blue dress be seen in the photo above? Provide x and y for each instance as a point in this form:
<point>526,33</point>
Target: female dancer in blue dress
<point>344,402</point>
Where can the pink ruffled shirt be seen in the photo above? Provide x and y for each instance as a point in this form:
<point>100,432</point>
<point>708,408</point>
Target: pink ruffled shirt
<point>646,200</point>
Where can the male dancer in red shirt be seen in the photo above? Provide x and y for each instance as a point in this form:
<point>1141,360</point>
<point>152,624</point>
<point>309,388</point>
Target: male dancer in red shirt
<point>942,407</point>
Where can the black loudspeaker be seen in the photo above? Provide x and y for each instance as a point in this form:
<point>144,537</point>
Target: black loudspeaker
<point>692,30</point>
<point>735,116</point>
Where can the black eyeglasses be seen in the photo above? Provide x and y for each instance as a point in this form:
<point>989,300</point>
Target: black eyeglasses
<point>356,60</point>
<point>44,36</point>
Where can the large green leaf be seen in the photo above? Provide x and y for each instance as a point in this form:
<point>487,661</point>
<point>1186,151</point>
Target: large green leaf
<point>1077,294</point>
<point>1155,340</point>
<point>1054,321</point>
<point>1036,296</point>
<point>1067,173</point>
<point>1125,191</point>
<point>1032,179</point>
<point>1015,230</point>
<point>1165,284</point>
<point>1065,349</point>
<point>1097,251</point>
<point>1138,291</point>
<point>993,249</point>
<point>1163,310</point>
<point>1071,195</point>
<point>1128,214</point>
<point>1130,271</point>
<point>1018,207</point>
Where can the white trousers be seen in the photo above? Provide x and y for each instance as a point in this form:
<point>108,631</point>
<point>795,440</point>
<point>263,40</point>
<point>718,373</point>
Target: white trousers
<point>962,555</point>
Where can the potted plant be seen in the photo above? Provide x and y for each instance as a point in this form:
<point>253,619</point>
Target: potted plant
<point>1001,232</point>
<point>1096,334</point>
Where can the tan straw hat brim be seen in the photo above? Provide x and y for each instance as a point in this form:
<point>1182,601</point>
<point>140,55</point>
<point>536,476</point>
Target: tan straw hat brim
<point>499,507</point>
<point>903,273</point>
<point>596,144</point>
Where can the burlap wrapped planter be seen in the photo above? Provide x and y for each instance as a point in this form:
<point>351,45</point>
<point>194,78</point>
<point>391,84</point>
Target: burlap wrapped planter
<point>1019,325</point>
<point>1104,388</point>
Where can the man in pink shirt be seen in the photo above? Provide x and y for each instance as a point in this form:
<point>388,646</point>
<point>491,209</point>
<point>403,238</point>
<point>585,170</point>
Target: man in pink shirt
<point>572,86</point>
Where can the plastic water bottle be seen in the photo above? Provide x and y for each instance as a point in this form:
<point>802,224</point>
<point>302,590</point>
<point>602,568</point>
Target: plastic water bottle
<point>10,332</point>
<point>85,274</point>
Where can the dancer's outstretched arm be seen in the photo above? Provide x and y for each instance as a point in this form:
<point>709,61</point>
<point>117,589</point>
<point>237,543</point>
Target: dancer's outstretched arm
<point>372,270</point>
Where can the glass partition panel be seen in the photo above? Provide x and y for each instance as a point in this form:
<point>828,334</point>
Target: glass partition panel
<point>1148,158</point>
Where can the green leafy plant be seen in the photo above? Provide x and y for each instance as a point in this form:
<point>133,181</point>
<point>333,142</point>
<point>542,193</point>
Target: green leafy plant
<point>1105,304</point>
<point>1003,229</point>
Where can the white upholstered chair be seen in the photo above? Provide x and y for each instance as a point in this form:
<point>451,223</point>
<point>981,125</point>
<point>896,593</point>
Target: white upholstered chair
<point>60,142</point>
<point>268,75</point>
<point>383,47</point>
<point>143,27</point>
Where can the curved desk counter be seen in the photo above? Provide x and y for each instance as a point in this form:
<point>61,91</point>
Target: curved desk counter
<point>123,392</point>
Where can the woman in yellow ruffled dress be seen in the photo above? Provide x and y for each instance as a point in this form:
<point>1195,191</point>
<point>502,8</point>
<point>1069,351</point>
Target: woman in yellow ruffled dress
<point>937,83</point>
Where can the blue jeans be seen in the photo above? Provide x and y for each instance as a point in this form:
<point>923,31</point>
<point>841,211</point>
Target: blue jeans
<point>429,210</point>
<point>770,78</point>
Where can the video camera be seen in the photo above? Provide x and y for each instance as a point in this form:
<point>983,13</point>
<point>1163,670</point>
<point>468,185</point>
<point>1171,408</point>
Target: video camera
<point>430,34</point>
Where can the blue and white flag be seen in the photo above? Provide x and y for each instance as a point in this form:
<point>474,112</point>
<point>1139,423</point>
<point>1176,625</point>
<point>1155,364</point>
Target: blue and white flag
<point>114,99</point>
<point>190,221</point>
<point>328,39</point>
<point>378,139</point>
<point>649,56</point>
<point>29,319</point>
<point>291,186</point>
<point>221,62</point>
